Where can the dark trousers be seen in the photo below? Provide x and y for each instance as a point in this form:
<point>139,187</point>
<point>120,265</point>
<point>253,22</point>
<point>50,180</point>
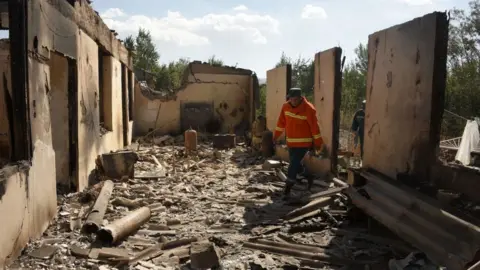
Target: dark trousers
<point>361,145</point>
<point>296,155</point>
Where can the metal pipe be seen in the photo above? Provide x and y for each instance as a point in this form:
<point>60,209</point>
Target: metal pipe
<point>95,218</point>
<point>120,228</point>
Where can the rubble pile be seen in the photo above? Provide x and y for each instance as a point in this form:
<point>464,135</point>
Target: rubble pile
<point>209,209</point>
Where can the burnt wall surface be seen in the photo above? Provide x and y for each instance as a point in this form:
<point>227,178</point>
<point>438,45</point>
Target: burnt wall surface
<point>212,99</point>
<point>327,94</point>
<point>5,101</point>
<point>46,42</point>
<point>405,92</point>
<point>278,83</point>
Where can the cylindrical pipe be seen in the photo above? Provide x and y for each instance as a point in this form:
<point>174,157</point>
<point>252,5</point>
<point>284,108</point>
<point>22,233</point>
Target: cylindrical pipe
<point>120,228</point>
<point>95,218</point>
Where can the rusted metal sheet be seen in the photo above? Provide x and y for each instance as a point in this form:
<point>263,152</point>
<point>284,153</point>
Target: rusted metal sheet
<point>448,238</point>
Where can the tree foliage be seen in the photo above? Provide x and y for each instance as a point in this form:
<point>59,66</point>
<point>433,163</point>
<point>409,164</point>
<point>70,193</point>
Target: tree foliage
<point>169,76</point>
<point>463,78</point>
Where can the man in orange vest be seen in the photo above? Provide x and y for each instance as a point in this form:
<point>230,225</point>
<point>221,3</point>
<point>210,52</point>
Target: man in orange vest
<point>298,119</point>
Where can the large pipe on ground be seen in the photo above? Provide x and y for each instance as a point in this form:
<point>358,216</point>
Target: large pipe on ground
<point>95,218</point>
<point>120,228</point>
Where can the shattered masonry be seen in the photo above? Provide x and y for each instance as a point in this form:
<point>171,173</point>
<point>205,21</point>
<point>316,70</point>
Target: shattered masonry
<point>214,201</point>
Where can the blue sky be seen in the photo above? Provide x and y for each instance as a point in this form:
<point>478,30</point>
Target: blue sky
<point>253,33</point>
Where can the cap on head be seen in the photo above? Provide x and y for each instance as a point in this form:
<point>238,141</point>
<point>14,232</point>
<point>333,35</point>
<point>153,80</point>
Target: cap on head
<point>294,92</point>
<point>364,101</point>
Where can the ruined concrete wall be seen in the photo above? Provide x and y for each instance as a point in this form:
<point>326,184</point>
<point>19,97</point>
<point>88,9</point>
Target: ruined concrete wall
<point>405,90</point>
<point>28,195</point>
<point>60,113</point>
<point>228,94</point>
<point>327,94</point>
<point>28,192</point>
<point>5,85</point>
<point>91,142</point>
<point>278,83</point>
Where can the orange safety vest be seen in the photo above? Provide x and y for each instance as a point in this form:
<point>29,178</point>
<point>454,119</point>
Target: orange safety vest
<point>300,125</point>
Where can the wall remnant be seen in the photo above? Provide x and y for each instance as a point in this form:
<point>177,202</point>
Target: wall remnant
<point>50,91</point>
<point>279,81</point>
<point>226,90</point>
<point>405,94</point>
<point>327,94</point>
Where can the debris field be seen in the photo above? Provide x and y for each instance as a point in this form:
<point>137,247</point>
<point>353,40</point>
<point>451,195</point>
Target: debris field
<point>208,209</point>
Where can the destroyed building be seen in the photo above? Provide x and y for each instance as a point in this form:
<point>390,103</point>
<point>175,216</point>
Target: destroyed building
<point>69,95</point>
<point>66,96</point>
<point>217,99</point>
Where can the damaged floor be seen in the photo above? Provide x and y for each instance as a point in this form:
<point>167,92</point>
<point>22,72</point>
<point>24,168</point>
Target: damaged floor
<point>217,209</point>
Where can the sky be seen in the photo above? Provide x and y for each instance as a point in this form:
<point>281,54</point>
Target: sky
<point>252,34</point>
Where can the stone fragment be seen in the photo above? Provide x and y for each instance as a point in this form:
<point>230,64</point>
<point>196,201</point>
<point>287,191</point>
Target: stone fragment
<point>79,251</point>
<point>270,164</point>
<point>44,252</point>
<point>203,255</point>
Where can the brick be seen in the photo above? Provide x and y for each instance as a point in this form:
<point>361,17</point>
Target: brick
<point>204,255</point>
<point>224,141</point>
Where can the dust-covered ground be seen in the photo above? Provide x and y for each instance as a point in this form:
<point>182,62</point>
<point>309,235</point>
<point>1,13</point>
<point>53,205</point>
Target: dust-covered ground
<point>223,199</point>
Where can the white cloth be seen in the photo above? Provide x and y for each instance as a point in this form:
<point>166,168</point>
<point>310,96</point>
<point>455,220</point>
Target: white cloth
<point>470,141</point>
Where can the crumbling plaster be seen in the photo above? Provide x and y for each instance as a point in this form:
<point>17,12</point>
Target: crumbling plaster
<point>229,92</point>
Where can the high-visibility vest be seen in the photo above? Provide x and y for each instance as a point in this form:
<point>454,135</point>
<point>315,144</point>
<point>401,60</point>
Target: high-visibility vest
<point>300,125</point>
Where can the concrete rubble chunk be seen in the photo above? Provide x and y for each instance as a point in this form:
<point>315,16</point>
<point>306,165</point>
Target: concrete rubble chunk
<point>204,255</point>
<point>44,252</point>
<point>270,164</point>
<point>79,251</point>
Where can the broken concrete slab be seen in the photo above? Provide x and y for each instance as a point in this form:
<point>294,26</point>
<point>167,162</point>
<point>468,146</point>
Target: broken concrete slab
<point>44,252</point>
<point>118,164</point>
<point>203,255</point>
<point>80,252</point>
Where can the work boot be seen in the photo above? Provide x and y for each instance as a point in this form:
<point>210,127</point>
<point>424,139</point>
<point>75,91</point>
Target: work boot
<point>288,187</point>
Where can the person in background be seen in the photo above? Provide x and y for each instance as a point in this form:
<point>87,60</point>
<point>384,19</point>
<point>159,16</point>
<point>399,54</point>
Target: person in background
<point>298,118</point>
<point>358,123</point>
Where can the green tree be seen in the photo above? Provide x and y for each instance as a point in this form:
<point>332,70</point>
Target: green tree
<point>262,110</point>
<point>354,85</point>
<point>129,43</point>
<point>215,61</point>
<point>463,78</point>
<point>302,73</point>
<point>146,55</point>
